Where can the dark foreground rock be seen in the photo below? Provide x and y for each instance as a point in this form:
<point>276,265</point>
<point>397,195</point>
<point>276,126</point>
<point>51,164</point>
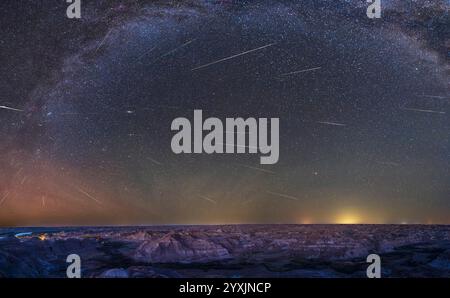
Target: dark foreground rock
<point>227,251</point>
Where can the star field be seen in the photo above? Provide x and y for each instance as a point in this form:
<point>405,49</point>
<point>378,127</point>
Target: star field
<point>86,107</point>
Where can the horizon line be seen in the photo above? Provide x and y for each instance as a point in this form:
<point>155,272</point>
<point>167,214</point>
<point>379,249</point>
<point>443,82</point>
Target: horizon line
<point>218,224</point>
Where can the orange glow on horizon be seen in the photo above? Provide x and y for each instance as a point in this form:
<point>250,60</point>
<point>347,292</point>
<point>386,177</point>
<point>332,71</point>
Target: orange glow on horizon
<point>348,217</point>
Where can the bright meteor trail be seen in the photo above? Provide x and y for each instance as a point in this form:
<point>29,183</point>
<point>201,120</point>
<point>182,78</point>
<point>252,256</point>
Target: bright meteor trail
<point>232,57</point>
<point>11,109</point>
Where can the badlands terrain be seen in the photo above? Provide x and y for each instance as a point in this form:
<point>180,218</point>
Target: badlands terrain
<point>227,251</point>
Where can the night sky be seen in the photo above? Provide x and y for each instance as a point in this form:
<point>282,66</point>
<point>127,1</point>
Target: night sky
<point>86,108</point>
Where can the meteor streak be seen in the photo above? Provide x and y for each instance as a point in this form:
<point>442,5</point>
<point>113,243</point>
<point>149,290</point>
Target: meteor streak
<point>4,198</point>
<point>88,195</point>
<point>146,52</point>
<point>433,96</point>
<point>103,40</point>
<point>173,51</point>
<point>300,71</point>
<point>154,161</point>
<point>232,57</point>
<point>331,123</point>
<point>423,110</point>
<point>208,199</point>
<point>283,196</point>
<point>11,109</point>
